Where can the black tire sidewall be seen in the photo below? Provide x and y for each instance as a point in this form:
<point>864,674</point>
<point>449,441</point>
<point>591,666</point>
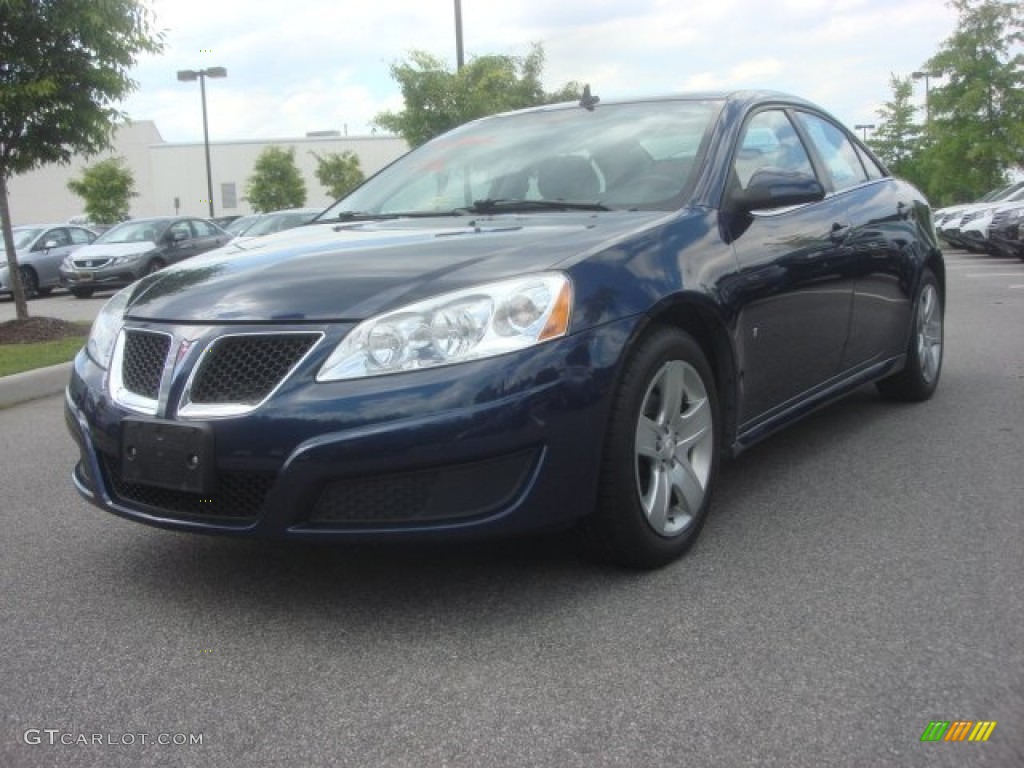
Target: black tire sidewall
<point>619,517</point>
<point>910,384</point>
<point>29,282</point>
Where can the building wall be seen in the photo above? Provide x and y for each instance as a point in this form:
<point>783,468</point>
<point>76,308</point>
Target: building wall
<point>42,196</point>
<point>179,170</point>
<point>166,174</point>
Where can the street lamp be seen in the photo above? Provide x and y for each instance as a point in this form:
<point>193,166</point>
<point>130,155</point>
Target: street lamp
<point>864,128</point>
<point>926,76</point>
<point>459,58</point>
<point>188,76</point>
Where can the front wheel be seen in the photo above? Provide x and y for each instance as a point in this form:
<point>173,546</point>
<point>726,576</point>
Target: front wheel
<point>919,378</point>
<point>29,282</point>
<point>661,454</point>
<point>81,293</point>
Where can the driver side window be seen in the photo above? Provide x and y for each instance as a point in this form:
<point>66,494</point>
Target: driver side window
<point>770,141</point>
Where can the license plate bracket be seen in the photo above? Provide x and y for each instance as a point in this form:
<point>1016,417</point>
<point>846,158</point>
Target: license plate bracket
<point>168,454</point>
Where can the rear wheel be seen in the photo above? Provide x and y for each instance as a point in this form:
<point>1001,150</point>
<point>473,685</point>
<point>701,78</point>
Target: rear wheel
<point>661,455</point>
<point>919,378</point>
<point>29,282</point>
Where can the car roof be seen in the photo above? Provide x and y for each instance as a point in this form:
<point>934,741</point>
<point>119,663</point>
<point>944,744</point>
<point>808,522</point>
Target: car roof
<point>740,97</point>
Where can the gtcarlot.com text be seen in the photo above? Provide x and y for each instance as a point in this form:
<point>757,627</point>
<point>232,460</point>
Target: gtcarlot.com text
<point>57,737</point>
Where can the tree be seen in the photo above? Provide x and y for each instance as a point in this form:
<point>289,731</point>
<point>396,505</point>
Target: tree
<point>897,140</point>
<point>63,65</point>
<point>276,182</point>
<point>106,189</point>
<point>339,174</point>
<point>976,131</point>
<point>437,99</point>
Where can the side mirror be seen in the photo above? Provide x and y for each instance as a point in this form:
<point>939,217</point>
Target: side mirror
<point>49,244</point>
<point>177,237</point>
<point>777,188</point>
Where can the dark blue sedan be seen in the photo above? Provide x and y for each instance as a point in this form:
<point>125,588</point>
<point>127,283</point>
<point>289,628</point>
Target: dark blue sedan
<point>557,318</point>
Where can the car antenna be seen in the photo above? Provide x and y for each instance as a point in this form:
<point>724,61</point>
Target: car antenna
<point>587,101</point>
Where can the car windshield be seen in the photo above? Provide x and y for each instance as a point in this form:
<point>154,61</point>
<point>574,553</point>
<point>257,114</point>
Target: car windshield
<point>638,155</point>
<point>22,238</point>
<point>275,222</point>
<point>134,232</point>
<point>238,226</point>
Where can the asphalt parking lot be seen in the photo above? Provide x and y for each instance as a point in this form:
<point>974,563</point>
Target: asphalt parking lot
<point>859,578</point>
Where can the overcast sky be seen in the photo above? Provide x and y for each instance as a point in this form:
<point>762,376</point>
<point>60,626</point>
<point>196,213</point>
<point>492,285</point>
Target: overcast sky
<point>310,65</point>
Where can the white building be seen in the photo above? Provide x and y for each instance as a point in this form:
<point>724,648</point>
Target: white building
<point>171,178</point>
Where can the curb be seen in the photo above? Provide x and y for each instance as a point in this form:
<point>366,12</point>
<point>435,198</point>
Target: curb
<point>32,385</point>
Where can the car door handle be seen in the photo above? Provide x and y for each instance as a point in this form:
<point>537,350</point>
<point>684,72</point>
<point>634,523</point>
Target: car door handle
<point>839,232</point>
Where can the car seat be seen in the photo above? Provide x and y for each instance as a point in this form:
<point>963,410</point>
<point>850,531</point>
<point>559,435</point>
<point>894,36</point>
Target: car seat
<point>568,177</point>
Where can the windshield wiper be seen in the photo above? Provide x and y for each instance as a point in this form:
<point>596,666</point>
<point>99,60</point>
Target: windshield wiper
<point>490,205</point>
<point>367,216</point>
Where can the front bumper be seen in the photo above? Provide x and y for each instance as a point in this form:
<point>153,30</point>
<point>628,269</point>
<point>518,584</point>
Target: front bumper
<point>107,277</point>
<point>493,447</point>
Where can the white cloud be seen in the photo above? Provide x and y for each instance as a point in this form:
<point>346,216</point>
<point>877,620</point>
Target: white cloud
<point>321,64</point>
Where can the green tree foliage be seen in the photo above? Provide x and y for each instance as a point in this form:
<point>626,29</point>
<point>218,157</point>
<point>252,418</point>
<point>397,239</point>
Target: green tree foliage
<point>438,99</point>
<point>276,182</point>
<point>976,131</point>
<point>107,189</point>
<point>64,64</point>
<point>339,174</point>
<point>897,140</point>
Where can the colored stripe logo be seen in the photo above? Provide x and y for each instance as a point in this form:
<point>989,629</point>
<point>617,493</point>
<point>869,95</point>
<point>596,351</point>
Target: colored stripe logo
<point>958,730</point>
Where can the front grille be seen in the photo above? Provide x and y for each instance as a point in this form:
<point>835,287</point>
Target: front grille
<point>144,357</point>
<point>1003,217</point>
<point>245,369</point>
<point>239,496</point>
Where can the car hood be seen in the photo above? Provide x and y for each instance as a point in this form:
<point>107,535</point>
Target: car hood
<point>108,250</point>
<point>337,272</point>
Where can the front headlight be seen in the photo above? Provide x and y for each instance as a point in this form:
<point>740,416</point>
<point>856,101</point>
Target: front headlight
<point>470,324</point>
<point>106,327</point>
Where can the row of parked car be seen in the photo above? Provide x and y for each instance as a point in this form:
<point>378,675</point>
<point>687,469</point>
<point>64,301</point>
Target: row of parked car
<point>990,225</point>
<point>78,258</point>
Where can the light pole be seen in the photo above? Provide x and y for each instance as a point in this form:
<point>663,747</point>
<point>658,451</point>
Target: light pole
<point>187,76</point>
<point>864,128</point>
<point>459,58</point>
<point>926,76</point>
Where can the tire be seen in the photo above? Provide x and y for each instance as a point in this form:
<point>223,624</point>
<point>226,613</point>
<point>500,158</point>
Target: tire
<point>29,282</point>
<point>661,455</point>
<point>81,293</point>
<point>920,376</point>
<point>154,266</point>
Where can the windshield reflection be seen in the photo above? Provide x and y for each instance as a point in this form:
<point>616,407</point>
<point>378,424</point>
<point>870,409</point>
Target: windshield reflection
<point>638,155</point>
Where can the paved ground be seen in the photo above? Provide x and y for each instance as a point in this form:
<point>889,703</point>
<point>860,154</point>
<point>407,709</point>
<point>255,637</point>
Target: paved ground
<point>860,577</point>
<point>58,304</point>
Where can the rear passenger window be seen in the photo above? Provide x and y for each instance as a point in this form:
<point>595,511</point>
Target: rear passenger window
<point>836,151</point>
<point>873,169</point>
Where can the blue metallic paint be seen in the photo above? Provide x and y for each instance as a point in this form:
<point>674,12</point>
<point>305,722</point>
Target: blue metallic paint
<point>762,297</point>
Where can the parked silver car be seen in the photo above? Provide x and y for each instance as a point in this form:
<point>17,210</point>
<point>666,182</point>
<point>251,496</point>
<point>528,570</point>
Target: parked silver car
<point>40,251</point>
<point>122,255</point>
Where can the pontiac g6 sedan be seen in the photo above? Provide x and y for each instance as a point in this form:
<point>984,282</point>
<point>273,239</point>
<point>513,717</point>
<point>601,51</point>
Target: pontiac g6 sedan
<point>557,318</point>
